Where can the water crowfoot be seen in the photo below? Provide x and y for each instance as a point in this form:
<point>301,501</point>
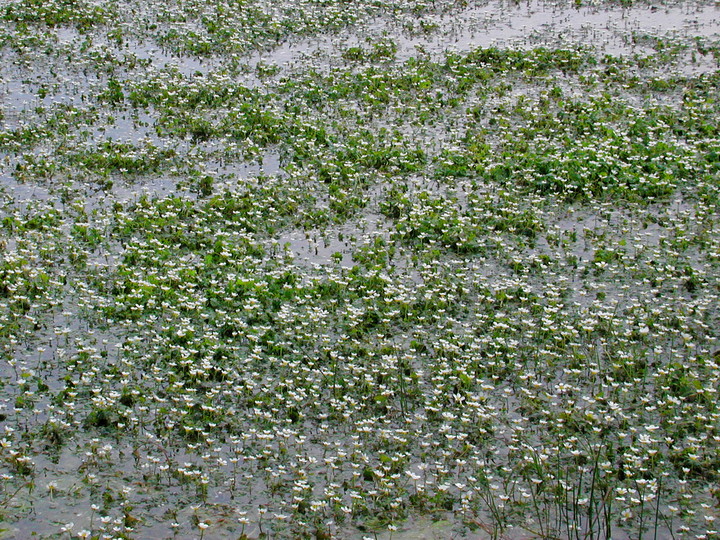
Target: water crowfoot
<point>303,271</point>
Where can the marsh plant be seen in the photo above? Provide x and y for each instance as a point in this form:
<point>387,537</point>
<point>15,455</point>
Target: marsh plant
<point>382,285</point>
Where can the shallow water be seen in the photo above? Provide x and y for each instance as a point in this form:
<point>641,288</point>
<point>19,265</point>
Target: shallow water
<point>467,300</point>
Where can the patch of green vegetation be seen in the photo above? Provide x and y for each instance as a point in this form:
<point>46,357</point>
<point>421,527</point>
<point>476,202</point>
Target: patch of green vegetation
<point>82,15</point>
<point>124,158</point>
